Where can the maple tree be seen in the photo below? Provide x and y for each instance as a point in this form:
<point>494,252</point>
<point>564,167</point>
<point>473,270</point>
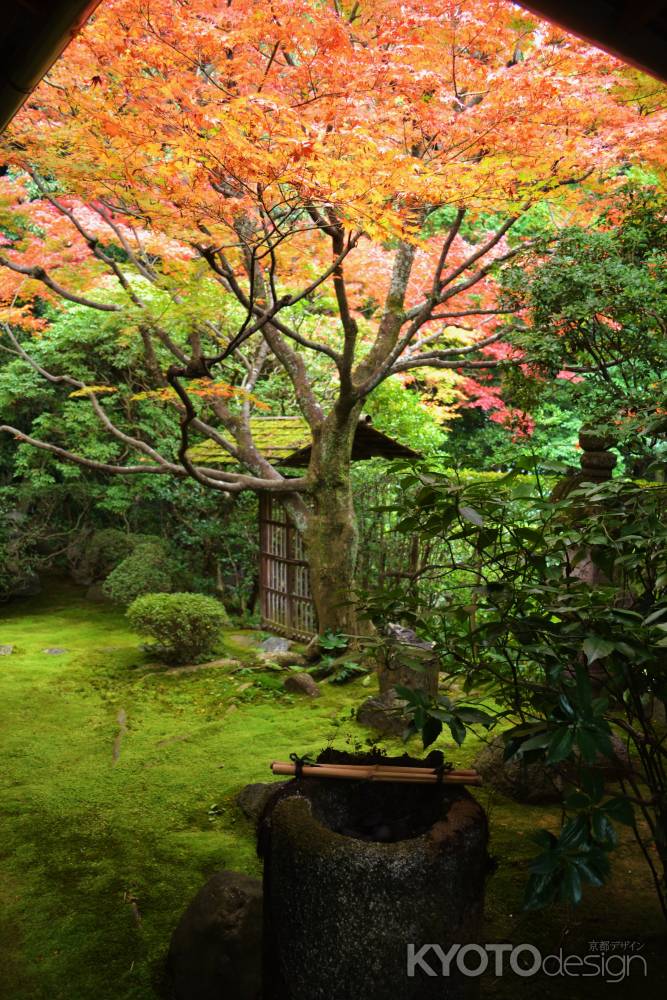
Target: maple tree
<point>288,180</point>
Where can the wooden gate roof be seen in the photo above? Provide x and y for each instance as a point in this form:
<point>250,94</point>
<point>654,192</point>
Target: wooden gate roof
<point>286,441</point>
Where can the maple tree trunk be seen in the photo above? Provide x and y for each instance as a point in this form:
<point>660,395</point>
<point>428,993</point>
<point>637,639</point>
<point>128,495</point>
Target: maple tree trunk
<point>331,529</point>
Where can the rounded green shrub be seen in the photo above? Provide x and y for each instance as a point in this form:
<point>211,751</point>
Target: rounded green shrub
<point>144,571</point>
<point>184,625</point>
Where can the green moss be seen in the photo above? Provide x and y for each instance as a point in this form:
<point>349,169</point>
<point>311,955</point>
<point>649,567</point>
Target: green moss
<point>82,837</point>
<point>87,843</point>
<point>275,437</point>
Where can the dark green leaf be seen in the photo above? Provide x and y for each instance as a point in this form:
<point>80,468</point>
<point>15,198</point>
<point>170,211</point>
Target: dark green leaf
<point>470,514</point>
<point>596,648</point>
<point>620,808</point>
<point>560,744</point>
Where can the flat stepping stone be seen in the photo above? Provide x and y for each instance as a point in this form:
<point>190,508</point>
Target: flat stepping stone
<point>227,663</point>
<point>6,650</point>
<point>173,739</point>
<point>55,650</point>
<point>244,639</point>
<point>275,644</point>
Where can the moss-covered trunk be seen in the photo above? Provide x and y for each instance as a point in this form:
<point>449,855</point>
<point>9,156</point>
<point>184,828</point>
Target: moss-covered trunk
<point>331,527</point>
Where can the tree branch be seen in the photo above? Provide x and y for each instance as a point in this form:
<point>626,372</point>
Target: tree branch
<point>40,274</point>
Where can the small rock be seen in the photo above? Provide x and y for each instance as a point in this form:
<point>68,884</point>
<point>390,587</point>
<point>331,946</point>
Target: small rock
<point>252,799</point>
<point>302,684</point>
<point>530,783</point>
<point>383,713</point>
<point>286,659</point>
<point>275,644</point>
<point>611,768</point>
<point>6,650</point>
<point>54,650</point>
<point>216,949</point>
<point>536,783</point>
<point>244,639</point>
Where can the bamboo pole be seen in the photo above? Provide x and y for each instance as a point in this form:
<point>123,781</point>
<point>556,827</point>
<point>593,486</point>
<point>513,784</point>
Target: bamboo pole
<point>378,772</point>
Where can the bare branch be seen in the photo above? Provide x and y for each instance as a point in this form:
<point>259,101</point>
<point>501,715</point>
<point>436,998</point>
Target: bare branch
<point>482,251</point>
<point>435,361</point>
<point>464,349</point>
<point>212,478</point>
<point>92,241</point>
<point>89,463</point>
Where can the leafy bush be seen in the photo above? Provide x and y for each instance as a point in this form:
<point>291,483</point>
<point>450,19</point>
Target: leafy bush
<point>145,571</point>
<point>102,551</point>
<point>17,555</point>
<point>558,616</point>
<point>184,625</point>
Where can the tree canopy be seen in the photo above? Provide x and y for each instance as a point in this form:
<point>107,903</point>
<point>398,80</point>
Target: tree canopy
<point>332,191</point>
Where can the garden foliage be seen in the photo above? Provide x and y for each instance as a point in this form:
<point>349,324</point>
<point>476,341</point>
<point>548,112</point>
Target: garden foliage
<point>555,611</point>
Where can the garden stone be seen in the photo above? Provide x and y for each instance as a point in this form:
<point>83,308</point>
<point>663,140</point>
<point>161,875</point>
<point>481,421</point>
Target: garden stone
<point>302,684</point>
<point>407,661</point>
<point>252,799</point>
<point>530,783</point>
<point>54,650</point>
<point>226,663</point>
<point>284,659</point>
<point>611,768</point>
<point>215,951</point>
<point>275,644</point>
<point>383,713</point>
<point>535,783</point>
<point>6,650</point>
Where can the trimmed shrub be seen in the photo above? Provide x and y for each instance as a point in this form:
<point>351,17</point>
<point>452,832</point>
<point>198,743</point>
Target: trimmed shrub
<point>145,571</point>
<point>185,626</point>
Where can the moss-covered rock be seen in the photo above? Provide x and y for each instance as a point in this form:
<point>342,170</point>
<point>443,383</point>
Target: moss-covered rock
<point>215,951</point>
<point>532,783</point>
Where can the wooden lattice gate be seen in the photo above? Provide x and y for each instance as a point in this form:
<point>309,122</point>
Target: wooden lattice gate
<point>286,603</point>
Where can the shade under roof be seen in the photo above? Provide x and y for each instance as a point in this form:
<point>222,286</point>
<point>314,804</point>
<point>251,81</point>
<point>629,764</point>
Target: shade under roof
<point>633,30</point>
<point>286,441</point>
<point>32,36</point>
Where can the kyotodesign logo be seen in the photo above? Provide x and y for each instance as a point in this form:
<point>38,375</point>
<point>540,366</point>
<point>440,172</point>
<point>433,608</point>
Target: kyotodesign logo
<point>524,960</point>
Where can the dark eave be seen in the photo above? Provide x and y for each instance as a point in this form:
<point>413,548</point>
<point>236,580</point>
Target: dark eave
<point>368,443</point>
<point>633,30</point>
<point>32,36</point>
